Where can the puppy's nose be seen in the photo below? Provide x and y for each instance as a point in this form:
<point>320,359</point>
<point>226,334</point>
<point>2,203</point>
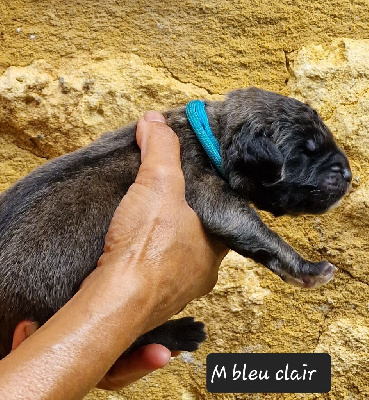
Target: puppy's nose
<point>346,173</point>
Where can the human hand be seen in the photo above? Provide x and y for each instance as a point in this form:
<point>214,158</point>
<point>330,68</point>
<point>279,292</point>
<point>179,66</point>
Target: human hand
<point>159,192</point>
<point>156,234</point>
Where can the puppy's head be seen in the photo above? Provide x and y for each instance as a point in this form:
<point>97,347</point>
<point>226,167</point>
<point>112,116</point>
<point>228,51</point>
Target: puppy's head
<point>279,154</point>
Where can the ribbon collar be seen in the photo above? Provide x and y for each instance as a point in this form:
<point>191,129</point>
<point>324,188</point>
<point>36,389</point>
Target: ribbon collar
<point>198,119</point>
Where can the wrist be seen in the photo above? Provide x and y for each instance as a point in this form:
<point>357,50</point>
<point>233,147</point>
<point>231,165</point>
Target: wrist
<point>118,299</point>
<point>125,281</point>
<point>82,340</point>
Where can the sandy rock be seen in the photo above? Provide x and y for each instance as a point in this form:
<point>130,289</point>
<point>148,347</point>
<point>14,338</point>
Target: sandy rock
<point>15,163</point>
<point>50,112</point>
<point>346,364</point>
<point>334,78</point>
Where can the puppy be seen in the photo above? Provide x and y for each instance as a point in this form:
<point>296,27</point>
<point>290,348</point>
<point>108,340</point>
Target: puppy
<point>276,153</point>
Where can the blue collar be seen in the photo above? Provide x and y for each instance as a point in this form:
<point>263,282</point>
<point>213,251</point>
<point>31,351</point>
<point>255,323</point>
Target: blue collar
<point>196,115</point>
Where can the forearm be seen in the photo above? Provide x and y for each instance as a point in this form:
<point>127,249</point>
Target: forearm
<point>74,349</point>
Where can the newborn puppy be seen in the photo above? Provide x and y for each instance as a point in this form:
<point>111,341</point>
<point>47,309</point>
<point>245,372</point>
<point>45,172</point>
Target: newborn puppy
<point>276,153</point>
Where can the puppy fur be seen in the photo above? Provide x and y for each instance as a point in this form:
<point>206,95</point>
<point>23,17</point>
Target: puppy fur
<point>276,153</point>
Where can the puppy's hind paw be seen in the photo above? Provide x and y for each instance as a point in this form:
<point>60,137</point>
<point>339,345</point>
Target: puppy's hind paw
<point>318,274</point>
<point>183,334</point>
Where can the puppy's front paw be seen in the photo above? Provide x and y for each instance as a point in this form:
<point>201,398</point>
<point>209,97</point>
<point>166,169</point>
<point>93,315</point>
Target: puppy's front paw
<point>313,276</point>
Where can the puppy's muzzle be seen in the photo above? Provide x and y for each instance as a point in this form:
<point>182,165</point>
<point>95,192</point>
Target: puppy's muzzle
<point>344,171</point>
<point>338,178</point>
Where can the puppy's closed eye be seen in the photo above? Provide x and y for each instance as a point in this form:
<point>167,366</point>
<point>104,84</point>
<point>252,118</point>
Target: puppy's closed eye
<point>310,146</point>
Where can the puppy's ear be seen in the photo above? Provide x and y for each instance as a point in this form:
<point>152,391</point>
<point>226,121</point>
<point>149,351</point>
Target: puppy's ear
<point>262,160</point>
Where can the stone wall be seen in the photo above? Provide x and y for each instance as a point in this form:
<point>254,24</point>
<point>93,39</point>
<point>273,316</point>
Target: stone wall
<point>71,70</point>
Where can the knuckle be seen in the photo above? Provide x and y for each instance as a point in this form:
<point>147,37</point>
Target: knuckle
<point>165,131</point>
<point>166,176</point>
<point>161,172</point>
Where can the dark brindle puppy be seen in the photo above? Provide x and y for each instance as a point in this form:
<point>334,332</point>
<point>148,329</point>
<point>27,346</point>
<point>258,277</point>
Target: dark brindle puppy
<point>276,153</point>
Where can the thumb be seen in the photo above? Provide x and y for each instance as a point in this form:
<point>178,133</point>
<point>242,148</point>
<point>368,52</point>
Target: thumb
<point>158,143</point>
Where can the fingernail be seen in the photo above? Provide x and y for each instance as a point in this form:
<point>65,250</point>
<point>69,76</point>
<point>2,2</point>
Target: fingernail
<point>154,116</point>
<point>32,328</point>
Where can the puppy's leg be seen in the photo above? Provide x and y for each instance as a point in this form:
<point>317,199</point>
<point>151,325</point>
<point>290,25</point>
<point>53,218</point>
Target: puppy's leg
<point>184,334</point>
<point>227,216</point>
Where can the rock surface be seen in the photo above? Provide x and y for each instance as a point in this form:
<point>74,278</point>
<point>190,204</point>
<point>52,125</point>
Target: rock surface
<point>51,111</point>
<point>69,71</point>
